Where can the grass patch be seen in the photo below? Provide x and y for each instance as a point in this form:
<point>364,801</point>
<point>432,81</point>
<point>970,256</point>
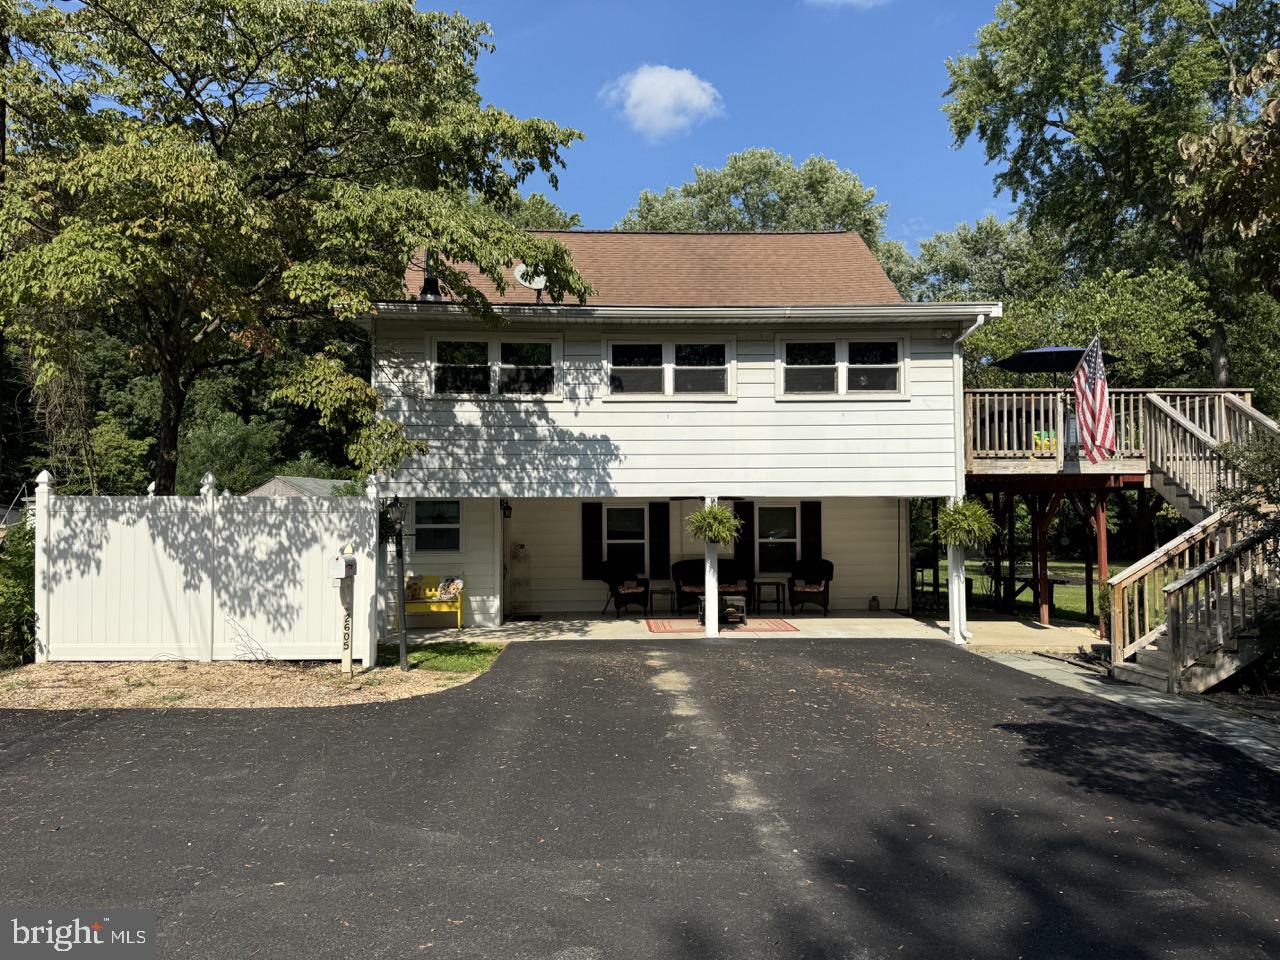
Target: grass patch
<point>454,656</point>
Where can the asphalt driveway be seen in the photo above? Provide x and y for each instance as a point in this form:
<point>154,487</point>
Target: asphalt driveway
<point>672,799</point>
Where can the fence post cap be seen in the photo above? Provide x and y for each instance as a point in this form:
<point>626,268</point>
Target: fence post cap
<point>44,478</point>
<point>208,484</point>
<point>371,485</point>
<point>151,489</point>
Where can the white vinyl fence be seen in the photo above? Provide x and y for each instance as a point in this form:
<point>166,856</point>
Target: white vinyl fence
<point>202,578</point>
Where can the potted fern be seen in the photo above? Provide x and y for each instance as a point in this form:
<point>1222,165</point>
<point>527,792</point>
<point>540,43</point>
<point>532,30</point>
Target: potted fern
<point>714,523</point>
<point>965,524</point>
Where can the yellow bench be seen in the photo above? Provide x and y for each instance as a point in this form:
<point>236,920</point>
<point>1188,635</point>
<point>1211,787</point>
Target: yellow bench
<point>422,595</point>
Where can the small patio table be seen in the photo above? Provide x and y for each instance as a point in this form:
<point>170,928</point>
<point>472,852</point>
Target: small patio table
<point>777,585</point>
<point>662,588</point>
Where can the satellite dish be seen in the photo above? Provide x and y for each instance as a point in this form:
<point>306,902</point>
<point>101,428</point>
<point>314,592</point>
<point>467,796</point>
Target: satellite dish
<point>533,281</point>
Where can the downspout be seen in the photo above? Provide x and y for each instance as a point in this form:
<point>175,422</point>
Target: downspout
<point>957,605</point>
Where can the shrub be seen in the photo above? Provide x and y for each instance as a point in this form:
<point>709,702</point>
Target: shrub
<point>17,597</point>
<point>965,523</point>
<point>715,524</point>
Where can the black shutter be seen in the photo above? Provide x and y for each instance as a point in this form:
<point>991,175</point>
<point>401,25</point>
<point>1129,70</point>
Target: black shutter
<point>811,529</point>
<point>659,540</point>
<point>744,551</point>
<point>592,541</point>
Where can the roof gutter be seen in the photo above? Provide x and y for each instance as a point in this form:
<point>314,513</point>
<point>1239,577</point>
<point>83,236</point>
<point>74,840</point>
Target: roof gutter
<point>835,313</point>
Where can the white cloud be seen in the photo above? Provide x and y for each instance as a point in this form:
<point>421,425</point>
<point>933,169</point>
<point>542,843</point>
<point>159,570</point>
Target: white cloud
<point>853,4</point>
<point>658,101</point>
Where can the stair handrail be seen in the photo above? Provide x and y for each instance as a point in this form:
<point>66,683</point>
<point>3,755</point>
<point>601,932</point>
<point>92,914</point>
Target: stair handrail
<point>1237,409</point>
<point>1134,616</point>
<point>1199,595</point>
<point>1189,456</point>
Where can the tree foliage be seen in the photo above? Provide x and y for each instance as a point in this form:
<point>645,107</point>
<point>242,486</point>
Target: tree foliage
<point>761,190</point>
<point>17,596</point>
<point>204,180</point>
<point>349,405</point>
<point>1256,491</point>
<point>1231,184</point>
<point>1082,103</point>
<point>536,212</point>
<point>1147,320</point>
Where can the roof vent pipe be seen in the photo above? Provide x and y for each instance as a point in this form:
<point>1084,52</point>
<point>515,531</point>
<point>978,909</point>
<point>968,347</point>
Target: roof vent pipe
<point>430,282</point>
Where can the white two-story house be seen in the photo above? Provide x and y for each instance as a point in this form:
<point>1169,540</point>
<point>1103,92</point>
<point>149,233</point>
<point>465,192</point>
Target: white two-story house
<point>781,373</point>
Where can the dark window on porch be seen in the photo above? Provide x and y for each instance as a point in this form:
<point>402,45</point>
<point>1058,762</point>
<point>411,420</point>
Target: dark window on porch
<point>437,525</point>
<point>625,532</point>
<point>777,538</point>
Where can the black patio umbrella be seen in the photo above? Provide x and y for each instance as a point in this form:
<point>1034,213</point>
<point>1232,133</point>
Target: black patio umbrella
<point>1047,360</point>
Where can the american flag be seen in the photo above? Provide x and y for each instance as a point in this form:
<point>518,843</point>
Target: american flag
<point>1093,405</point>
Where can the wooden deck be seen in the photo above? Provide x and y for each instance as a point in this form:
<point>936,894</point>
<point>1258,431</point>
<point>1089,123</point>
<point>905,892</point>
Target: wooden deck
<point>1032,433</point>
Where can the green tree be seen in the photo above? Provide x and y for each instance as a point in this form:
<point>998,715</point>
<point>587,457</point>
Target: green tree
<point>536,212</point>
<point>1083,103</point>
<point>204,180</point>
<point>17,596</point>
<point>1231,185</point>
<point>988,260</point>
<point>761,190</point>
<point>1147,320</point>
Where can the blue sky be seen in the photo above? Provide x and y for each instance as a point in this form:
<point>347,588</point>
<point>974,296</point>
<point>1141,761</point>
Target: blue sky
<point>659,86</point>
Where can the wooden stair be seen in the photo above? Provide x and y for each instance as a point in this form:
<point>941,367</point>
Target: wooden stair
<point>1185,617</point>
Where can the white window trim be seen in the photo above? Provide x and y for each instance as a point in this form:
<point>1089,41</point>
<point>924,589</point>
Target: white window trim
<point>460,526</point>
<point>604,530</point>
<point>494,343</point>
<point>794,506</point>
<point>842,368</point>
<point>668,393</point>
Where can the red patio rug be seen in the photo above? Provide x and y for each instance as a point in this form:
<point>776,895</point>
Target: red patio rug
<point>691,625</point>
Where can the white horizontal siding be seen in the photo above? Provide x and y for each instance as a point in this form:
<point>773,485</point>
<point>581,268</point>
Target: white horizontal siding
<point>476,564</point>
<point>755,445</point>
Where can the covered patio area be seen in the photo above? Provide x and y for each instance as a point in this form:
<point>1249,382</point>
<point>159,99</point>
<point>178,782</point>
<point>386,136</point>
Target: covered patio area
<point>660,626</point>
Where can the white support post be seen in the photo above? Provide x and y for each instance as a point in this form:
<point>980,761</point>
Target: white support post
<point>371,579</point>
<point>957,606</point>
<point>44,492</point>
<point>711,585</point>
<point>209,493</point>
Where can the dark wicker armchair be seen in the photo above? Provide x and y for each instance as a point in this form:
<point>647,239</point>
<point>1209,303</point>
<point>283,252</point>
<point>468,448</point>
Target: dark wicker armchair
<point>810,582</point>
<point>626,588</point>
<point>689,577</point>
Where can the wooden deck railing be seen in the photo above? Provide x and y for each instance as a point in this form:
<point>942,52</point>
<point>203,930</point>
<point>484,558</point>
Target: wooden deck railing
<point>1189,456</point>
<point>1210,606</point>
<point>1137,609</point>
<point>1039,424</point>
<point>1241,421</point>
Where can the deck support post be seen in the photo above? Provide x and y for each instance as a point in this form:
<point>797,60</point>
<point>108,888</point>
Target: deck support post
<point>1011,554</point>
<point>1100,537</point>
<point>1044,515</point>
<point>711,584</point>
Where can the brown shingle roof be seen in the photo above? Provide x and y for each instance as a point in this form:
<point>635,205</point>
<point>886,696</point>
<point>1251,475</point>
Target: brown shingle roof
<point>710,269</point>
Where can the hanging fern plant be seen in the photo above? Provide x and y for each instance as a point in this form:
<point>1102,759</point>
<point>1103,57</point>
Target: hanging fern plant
<point>715,524</point>
<point>965,523</point>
